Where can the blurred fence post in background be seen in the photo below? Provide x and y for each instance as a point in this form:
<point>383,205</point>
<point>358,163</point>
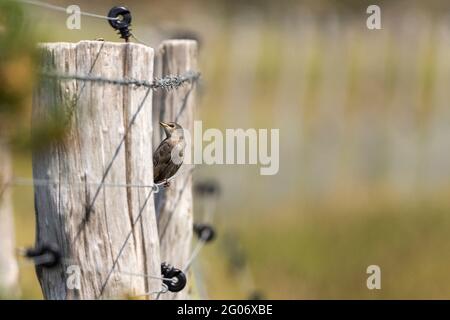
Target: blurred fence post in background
<point>103,227</point>
<point>8,264</point>
<point>174,205</point>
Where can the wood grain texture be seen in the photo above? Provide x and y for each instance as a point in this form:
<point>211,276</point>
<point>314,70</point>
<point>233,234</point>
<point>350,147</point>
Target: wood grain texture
<point>8,263</point>
<point>174,205</point>
<point>90,223</point>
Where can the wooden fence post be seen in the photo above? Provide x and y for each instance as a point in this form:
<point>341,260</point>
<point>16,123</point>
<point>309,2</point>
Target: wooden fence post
<point>174,205</point>
<point>104,229</point>
<point>8,264</point>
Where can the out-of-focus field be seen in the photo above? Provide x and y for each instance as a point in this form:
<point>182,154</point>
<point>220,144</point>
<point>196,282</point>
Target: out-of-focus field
<point>364,120</point>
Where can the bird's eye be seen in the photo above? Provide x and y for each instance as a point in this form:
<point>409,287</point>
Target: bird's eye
<point>172,125</point>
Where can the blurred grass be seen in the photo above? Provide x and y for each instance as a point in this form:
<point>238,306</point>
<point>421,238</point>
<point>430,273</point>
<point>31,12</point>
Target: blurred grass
<point>25,226</point>
<point>323,253</point>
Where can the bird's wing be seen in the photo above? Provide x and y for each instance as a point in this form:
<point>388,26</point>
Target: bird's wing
<point>161,159</point>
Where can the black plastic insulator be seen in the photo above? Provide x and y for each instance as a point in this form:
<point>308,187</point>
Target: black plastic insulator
<point>123,24</point>
<point>204,232</point>
<point>49,250</point>
<point>256,295</point>
<point>176,279</point>
<point>207,188</point>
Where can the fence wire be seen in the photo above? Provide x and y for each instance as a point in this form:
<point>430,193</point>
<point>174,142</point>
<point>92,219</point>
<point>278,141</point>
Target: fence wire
<point>207,216</point>
<point>168,82</point>
<point>63,9</point>
<point>67,261</point>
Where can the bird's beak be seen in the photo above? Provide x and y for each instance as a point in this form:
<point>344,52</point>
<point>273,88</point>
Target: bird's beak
<point>163,124</point>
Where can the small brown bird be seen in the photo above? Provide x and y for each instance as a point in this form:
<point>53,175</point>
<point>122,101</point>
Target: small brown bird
<point>169,155</point>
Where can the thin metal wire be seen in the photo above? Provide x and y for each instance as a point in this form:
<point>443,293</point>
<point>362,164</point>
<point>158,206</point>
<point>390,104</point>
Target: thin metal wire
<point>132,274</point>
<point>175,207</point>
<point>195,253</point>
<point>116,260</point>
<point>32,262</point>
<point>63,9</point>
<point>208,217</point>
<point>163,290</point>
<point>108,168</point>
<point>74,101</point>
<point>4,187</point>
<point>139,40</point>
<point>184,104</point>
<point>38,260</point>
<point>20,181</point>
<point>127,273</point>
<point>209,207</point>
<point>168,82</point>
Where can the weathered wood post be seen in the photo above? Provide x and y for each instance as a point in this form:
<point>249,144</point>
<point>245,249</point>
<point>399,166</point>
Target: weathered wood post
<point>8,264</point>
<point>102,224</point>
<point>174,205</point>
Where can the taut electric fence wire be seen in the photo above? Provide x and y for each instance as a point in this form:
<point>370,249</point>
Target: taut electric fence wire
<point>130,233</point>
<point>118,17</point>
<point>74,102</point>
<point>204,232</point>
<point>48,256</point>
<point>108,168</point>
<point>63,9</point>
<point>23,181</point>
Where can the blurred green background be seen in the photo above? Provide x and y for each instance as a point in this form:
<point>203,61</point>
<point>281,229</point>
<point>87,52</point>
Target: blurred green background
<point>364,120</point>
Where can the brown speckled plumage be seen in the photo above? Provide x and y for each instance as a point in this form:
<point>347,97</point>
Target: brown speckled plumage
<point>164,166</point>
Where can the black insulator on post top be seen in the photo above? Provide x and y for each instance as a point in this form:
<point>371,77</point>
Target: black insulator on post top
<point>121,21</point>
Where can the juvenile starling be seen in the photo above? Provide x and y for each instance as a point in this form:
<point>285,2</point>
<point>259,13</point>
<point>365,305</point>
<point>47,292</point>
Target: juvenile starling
<point>169,155</point>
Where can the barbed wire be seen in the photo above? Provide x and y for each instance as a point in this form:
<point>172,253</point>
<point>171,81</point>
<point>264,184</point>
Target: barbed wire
<point>168,82</point>
<point>64,9</point>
